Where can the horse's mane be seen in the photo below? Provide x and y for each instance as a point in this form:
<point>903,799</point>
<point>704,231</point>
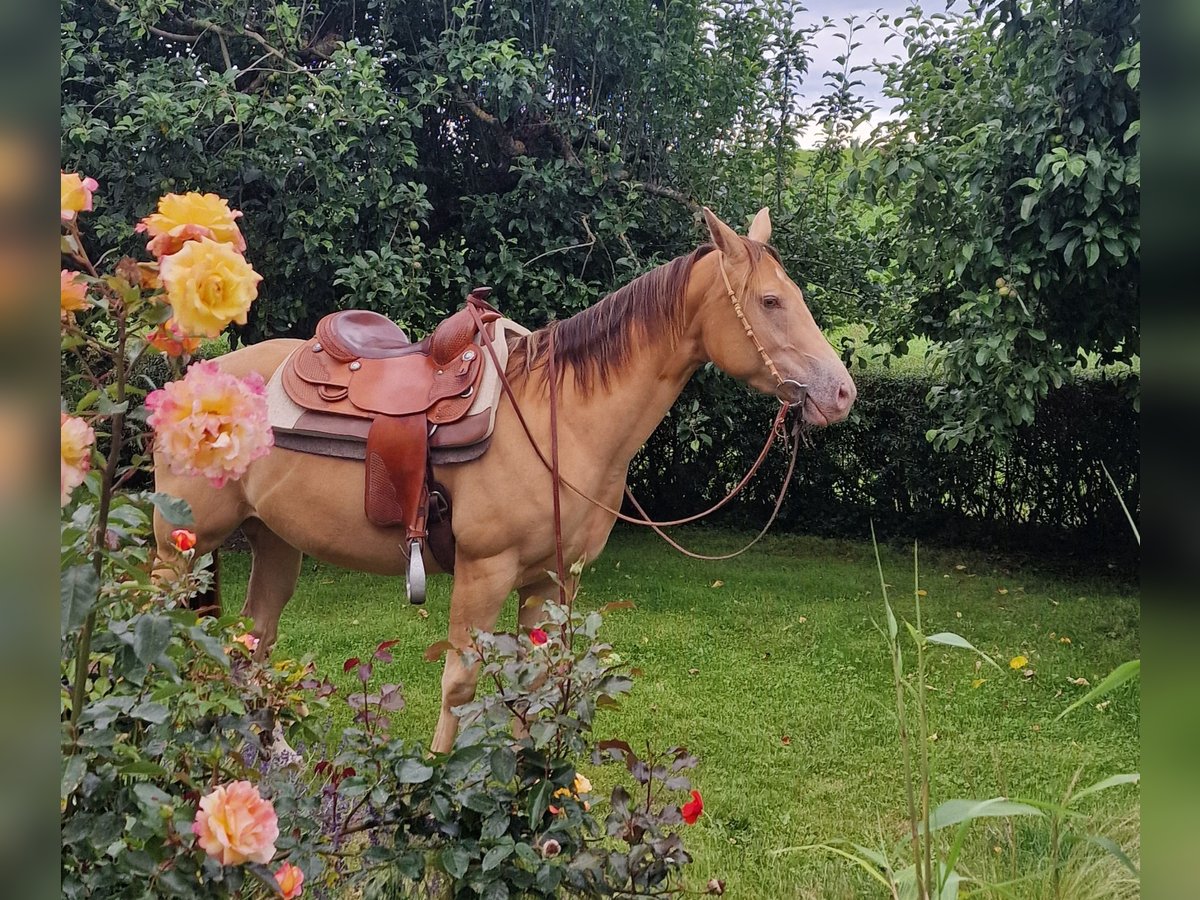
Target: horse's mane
<point>594,342</point>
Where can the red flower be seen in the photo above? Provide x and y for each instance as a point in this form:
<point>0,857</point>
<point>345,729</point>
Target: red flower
<point>692,809</point>
<point>538,637</point>
<point>183,539</point>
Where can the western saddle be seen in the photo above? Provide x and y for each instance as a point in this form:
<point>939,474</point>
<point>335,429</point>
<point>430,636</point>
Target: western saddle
<point>360,372</point>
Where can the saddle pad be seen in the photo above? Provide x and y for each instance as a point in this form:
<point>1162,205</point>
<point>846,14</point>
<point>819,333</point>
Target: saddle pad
<point>345,436</point>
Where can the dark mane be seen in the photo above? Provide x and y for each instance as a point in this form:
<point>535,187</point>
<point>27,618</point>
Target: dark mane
<point>601,338</point>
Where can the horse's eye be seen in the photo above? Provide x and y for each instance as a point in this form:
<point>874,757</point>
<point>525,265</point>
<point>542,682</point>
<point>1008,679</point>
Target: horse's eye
<point>770,301</point>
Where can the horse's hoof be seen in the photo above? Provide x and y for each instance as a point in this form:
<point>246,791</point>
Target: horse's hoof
<point>416,574</point>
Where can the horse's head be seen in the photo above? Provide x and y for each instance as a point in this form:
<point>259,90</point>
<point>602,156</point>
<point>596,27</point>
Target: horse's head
<point>776,319</point>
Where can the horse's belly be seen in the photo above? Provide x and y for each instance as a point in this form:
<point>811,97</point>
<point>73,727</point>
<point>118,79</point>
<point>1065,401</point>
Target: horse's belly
<point>315,503</point>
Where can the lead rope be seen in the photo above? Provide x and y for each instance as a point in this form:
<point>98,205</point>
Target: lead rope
<point>555,476</point>
<point>775,431</point>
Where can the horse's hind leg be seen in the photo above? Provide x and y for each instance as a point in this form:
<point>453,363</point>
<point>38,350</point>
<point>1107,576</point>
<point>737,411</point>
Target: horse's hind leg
<point>273,575</point>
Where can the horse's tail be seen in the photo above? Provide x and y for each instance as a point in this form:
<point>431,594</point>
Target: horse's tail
<point>208,603</point>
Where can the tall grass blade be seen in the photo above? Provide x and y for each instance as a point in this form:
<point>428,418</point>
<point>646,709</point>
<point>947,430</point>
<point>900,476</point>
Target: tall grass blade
<point>1105,784</point>
<point>952,812</point>
<point>1137,535</point>
<point>869,863</point>
<point>1117,677</point>
<point>1112,847</point>
<point>950,639</point>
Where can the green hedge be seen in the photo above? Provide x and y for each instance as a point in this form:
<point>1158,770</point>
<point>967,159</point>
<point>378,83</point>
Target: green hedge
<point>1046,491</point>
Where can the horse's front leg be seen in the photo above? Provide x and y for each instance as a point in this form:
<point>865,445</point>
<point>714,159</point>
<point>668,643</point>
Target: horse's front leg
<point>480,589</point>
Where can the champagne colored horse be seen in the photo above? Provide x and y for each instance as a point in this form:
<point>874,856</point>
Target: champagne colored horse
<point>623,363</point>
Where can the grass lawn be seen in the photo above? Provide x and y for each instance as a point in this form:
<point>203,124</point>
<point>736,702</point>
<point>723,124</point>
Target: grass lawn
<point>770,669</point>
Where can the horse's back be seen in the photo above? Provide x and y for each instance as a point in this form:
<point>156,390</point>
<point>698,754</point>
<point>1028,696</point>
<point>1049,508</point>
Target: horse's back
<point>263,358</point>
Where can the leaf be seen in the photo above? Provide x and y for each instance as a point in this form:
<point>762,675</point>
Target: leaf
<point>954,811</point>
<point>496,855</point>
<point>455,859</point>
<point>413,771</point>
<point>150,795</point>
<point>72,776</point>
<point>950,639</point>
<point>504,765</point>
<point>1112,847</point>
<point>155,713</point>
<point>539,800</point>
<point>78,590</point>
<point>174,509</point>
<point>1105,784</point>
<point>1117,677</point>
<point>151,636</point>
<point>434,651</point>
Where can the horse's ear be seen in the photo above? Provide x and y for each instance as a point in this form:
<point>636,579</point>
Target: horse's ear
<point>724,237</point>
<point>760,228</point>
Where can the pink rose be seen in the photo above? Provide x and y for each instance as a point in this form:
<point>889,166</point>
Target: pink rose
<point>211,423</point>
<point>235,825</point>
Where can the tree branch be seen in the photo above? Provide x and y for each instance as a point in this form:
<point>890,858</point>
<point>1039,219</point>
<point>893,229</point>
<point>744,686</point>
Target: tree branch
<point>510,145</point>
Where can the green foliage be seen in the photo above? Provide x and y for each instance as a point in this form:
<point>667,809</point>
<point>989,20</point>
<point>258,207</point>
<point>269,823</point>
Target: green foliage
<point>1014,174</point>
<point>392,154</point>
<point>1047,488</point>
<point>925,865</point>
<point>504,816</point>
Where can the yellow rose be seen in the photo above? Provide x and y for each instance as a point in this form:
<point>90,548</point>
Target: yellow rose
<point>182,218</point>
<point>75,194</point>
<point>208,285</point>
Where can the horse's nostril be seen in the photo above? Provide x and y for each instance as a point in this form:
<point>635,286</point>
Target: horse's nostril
<point>845,396</point>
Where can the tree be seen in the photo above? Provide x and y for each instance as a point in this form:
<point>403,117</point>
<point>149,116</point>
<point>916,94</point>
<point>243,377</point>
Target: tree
<point>1014,176</point>
<point>391,153</point>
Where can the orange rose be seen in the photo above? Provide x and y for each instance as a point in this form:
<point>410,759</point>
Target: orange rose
<point>189,217</point>
<point>208,285</point>
<point>75,194</point>
<point>183,539</point>
<point>72,294</point>
<point>290,880</point>
<point>235,825</point>
<point>170,339</point>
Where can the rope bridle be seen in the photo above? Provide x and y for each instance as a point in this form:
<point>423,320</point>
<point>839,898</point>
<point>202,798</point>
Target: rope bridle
<point>790,393</point>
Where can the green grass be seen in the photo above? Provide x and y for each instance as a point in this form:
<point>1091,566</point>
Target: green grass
<point>769,667</point>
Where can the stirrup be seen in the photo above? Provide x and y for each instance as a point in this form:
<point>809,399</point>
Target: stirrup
<point>415,587</point>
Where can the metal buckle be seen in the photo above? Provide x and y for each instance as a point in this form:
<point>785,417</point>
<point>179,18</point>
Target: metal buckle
<point>800,392</point>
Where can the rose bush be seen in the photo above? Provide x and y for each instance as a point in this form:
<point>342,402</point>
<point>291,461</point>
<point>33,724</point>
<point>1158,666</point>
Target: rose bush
<point>169,784</point>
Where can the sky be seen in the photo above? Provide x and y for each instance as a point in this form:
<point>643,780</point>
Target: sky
<point>873,47</point>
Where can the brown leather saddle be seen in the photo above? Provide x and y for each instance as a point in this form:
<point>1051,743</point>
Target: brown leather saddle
<point>360,370</point>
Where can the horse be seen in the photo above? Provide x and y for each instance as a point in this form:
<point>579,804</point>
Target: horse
<point>619,364</point>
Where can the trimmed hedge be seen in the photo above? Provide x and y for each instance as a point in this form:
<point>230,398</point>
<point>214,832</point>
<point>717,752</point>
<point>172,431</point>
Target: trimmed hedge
<point>1046,491</point>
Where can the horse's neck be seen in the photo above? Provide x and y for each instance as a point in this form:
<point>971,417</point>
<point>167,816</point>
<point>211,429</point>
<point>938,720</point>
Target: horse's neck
<point>611,424</point>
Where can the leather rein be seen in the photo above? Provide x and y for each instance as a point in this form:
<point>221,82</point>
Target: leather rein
<point>784,387</point>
